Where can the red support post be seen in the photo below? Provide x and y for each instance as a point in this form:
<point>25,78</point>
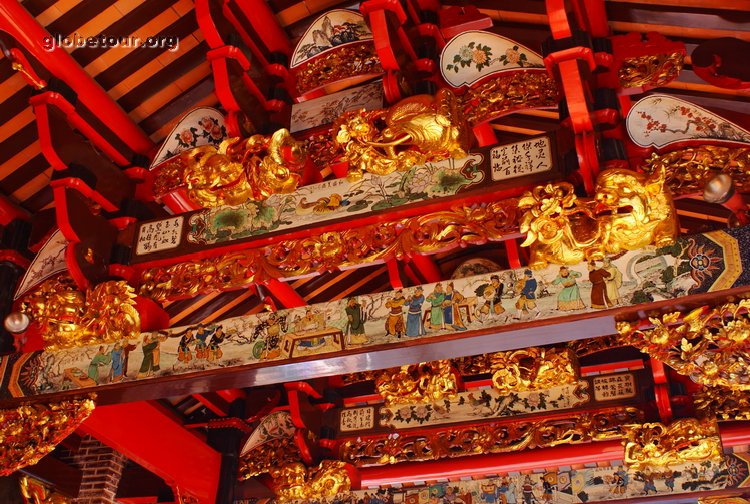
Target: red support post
<point>288,297</point>
<point>147,434</point>
<point>426,267</point>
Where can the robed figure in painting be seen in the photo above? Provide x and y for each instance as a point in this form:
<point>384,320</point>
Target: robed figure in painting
<point>569,297</point>
<point>102,358</point>
<point>414,326</point>
<point>436,299</point>
<point>394,324</point>
<point>355,322</point>
<point>598,277</point>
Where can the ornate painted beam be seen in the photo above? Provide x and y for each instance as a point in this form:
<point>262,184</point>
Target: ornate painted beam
<point>400,326</point>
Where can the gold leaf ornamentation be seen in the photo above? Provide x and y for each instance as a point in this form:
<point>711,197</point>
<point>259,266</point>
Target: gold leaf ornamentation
<point>28,433</point>
<point>415,130</point>
<point>533,369</point>
<point>504,94</point>
<point>564,229</point>
<point>68,317</point>
<point>718,402</point>
<point>424,382</point>
<point>655,445</point>
<point>708,345</point>
<point>650,70</point>
<point>239,170</point>
<point>490,438</point>
<point>297,482</point>
<point>269,456</point>
<point>689,170</point>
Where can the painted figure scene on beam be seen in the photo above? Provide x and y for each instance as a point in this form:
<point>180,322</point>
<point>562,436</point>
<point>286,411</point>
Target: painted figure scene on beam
<point>692,265</point>
<point>572,486</point>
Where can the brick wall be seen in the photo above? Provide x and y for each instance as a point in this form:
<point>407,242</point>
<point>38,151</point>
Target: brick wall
<point>101,467</point>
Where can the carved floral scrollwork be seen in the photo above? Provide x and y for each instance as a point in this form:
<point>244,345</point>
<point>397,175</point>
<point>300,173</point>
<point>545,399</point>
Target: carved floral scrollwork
<point>265,458</point>
<point>297,482</point>
<point>504,94</point>
<point>685,440</point>
<point>709,345</point>
<point>689,170</point>
<point>490,438</point>
<point>28,433</point>
<point>423,234</point>
<point>69,317</point>
<point>533,369</point>
<point>718,402</point>
<point>651,69</point>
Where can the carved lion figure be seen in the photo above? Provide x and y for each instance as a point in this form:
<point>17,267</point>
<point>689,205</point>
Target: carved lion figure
<point>416,130</point>
<point>628,211</point>
<point>238,170</point>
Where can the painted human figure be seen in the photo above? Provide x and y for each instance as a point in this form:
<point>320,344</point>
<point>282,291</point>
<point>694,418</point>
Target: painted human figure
<point>526,302</point>
<point>436,298</point>
<point>613,283</point>
<point>355,322</point>
<point>448,305</point>
<point>569,297</point>
<point>214,345</point>
<point>454,306</point>
<point>648,483</point>
<point>201,341</point>
<point>273,336</point>
<point>184,354</point>
<point>493,298</point>
<point>102,358</point>
<point>527,491</point>
<point>118,356</point>
<point>414,326</point>
<point>598,278</point>
<point>149,344</point>
<point>621,482</point>
<point>394,324</point>
<point>669,481</point>
<point>507,491</point>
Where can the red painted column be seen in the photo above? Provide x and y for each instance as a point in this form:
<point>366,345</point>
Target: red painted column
<point>18,23</point>
<point>147,434</point>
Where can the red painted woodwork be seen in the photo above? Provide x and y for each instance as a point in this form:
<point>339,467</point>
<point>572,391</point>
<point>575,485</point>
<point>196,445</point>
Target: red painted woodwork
<point>49,99</point>
<point>19,24</point>
<point>147,434</point>
<point>426,267</point>
<point>456,19</point>
<point>491,464</point>
<point>263,20</point>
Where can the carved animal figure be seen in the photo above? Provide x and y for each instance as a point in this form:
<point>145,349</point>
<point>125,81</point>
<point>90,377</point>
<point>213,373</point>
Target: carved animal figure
<point>241,170</point>
<point>629,211</point>
<point>417,129</point>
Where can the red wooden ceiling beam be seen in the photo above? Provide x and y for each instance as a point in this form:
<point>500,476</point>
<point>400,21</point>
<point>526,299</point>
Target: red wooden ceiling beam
<point>147,434</point>
<point>19,24</point>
